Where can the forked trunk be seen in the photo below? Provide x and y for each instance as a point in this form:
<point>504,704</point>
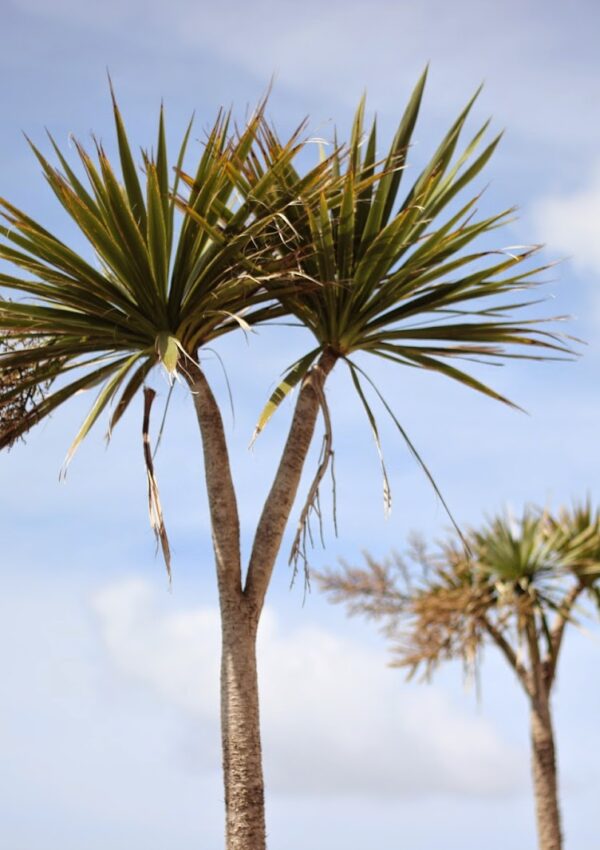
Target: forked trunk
<point>241,606</point>
<point>240,731</point>
<point>545,777</point>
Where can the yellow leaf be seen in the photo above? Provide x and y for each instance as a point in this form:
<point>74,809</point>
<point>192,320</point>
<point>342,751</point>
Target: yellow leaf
<point>167,347</point>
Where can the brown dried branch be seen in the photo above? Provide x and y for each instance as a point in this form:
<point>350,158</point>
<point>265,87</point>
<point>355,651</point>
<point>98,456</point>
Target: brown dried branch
<point>373,591</point>
<point>428,619</point>
<point>444,622</point>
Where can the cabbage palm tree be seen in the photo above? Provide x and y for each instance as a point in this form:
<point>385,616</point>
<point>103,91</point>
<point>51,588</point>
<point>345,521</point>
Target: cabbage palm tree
<point>157,292</point>
<point>518,588</point>
<point>405,277</point>
<point>334,249</point>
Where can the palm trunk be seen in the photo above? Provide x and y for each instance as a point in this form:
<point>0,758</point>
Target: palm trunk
<point>240,731</point>
<point>241,606</point>
<point>545,776</point>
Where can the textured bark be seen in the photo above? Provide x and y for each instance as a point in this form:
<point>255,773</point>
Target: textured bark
<point>241,608</point>
<point>219,486</point>
<point>545,777</point>
<point>240,731</point>
<point>240,727</point>
<point>537,684</point>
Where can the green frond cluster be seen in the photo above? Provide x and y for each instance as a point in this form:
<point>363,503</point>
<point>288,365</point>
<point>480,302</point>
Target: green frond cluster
<point>577,535</point>
<point>183,258</point>
<point>156,292</point>
<point>397,278</point>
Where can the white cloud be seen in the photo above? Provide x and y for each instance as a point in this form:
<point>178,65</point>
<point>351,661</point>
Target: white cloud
<point>335,719</point>
<point>335,50</point>
<point>570,223</point>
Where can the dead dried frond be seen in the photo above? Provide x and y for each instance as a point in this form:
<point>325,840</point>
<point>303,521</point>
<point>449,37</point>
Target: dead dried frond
<point>312,504</point>
<point>19,391</point>
<point>442,622</point>
<point>375,590</point>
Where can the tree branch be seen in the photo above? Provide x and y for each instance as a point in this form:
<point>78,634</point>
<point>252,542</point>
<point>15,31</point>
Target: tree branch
<point>558,630</point>
<point>219,484</point>
<point>281,497</point>
<point>538,674</point>
<point>510,655</point>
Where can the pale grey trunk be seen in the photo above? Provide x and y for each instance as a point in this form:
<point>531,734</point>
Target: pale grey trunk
<point>545,776</point>
<point>240,730</point>
<point>241,606</point>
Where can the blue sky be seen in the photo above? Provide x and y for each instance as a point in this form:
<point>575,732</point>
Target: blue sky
<point>108,710</point>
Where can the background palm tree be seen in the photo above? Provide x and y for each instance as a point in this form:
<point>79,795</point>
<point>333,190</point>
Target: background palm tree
<point>519,587</point>
<point>335,248</point>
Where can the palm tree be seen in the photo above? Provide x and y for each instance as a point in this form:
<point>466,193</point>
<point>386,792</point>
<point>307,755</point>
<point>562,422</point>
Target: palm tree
<point>334,248</point>
<point>518,587</point>
<point>156,295</point>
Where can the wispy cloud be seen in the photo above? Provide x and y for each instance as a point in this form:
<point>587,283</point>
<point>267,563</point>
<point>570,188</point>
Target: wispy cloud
<point>109,722</point>
<point>332,52</point>
<point>570,222</point>
<point>326,701</point>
